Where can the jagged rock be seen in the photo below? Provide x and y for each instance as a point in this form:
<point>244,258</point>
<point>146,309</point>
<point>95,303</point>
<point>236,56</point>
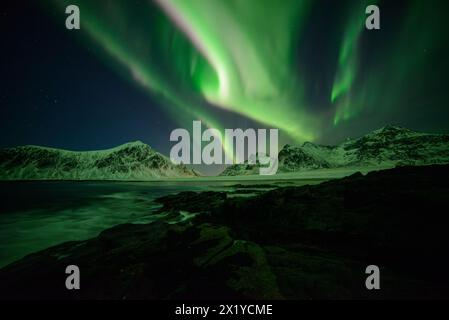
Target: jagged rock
<point>306,242</point>
<point>150,261</point>
<point>191,201</point>
<point>396,217</point>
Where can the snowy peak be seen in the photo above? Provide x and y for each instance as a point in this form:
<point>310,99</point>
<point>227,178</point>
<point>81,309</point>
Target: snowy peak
<point>390,133</point>
<point>301,158</point>
<point>384,147</point>
<point>130,161</point>
<point>391,129</point>
<point>133,144</point>
<point>387,146</point>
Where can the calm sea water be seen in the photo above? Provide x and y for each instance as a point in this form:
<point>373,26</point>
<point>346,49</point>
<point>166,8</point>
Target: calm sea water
<point>37,215</point>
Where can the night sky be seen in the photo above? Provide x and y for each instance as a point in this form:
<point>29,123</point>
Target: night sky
<point>139,69</point>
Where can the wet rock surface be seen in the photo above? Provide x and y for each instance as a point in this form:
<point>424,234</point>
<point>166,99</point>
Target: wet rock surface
<point>309,242</point>
<point>151,261</point>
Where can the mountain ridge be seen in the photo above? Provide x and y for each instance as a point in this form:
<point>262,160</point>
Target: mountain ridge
<point>387,146</point>
<point>130,161</point>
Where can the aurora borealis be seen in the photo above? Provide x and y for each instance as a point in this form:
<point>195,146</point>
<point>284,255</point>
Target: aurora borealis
<point>309,68</point>
<point>208,61</point>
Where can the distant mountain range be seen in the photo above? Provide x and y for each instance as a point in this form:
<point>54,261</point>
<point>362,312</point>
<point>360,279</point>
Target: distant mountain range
<point>130,161</point>
<point>388,146</point>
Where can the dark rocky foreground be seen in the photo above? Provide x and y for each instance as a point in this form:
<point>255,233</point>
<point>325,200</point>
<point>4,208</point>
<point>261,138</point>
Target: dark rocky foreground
<point>309,242</point>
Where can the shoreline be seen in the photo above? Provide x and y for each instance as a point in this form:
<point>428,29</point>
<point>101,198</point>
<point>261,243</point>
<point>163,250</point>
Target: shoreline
<point>318,174</point>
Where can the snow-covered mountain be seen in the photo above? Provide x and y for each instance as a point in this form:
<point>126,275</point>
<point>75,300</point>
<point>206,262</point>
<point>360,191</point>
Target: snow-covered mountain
<point>243,169</point>
<point>388,146</point>
<point>130,161</point>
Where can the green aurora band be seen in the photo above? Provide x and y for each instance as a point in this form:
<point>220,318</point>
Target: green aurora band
<point>397,74</point>
<point>347,64</point>
<point>198,56</point>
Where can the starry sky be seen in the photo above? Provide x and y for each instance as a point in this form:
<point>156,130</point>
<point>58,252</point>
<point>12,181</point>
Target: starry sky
<point>139,69</point>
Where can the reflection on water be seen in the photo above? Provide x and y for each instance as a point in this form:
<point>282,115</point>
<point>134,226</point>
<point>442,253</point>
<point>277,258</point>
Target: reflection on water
<point>37,215</point>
